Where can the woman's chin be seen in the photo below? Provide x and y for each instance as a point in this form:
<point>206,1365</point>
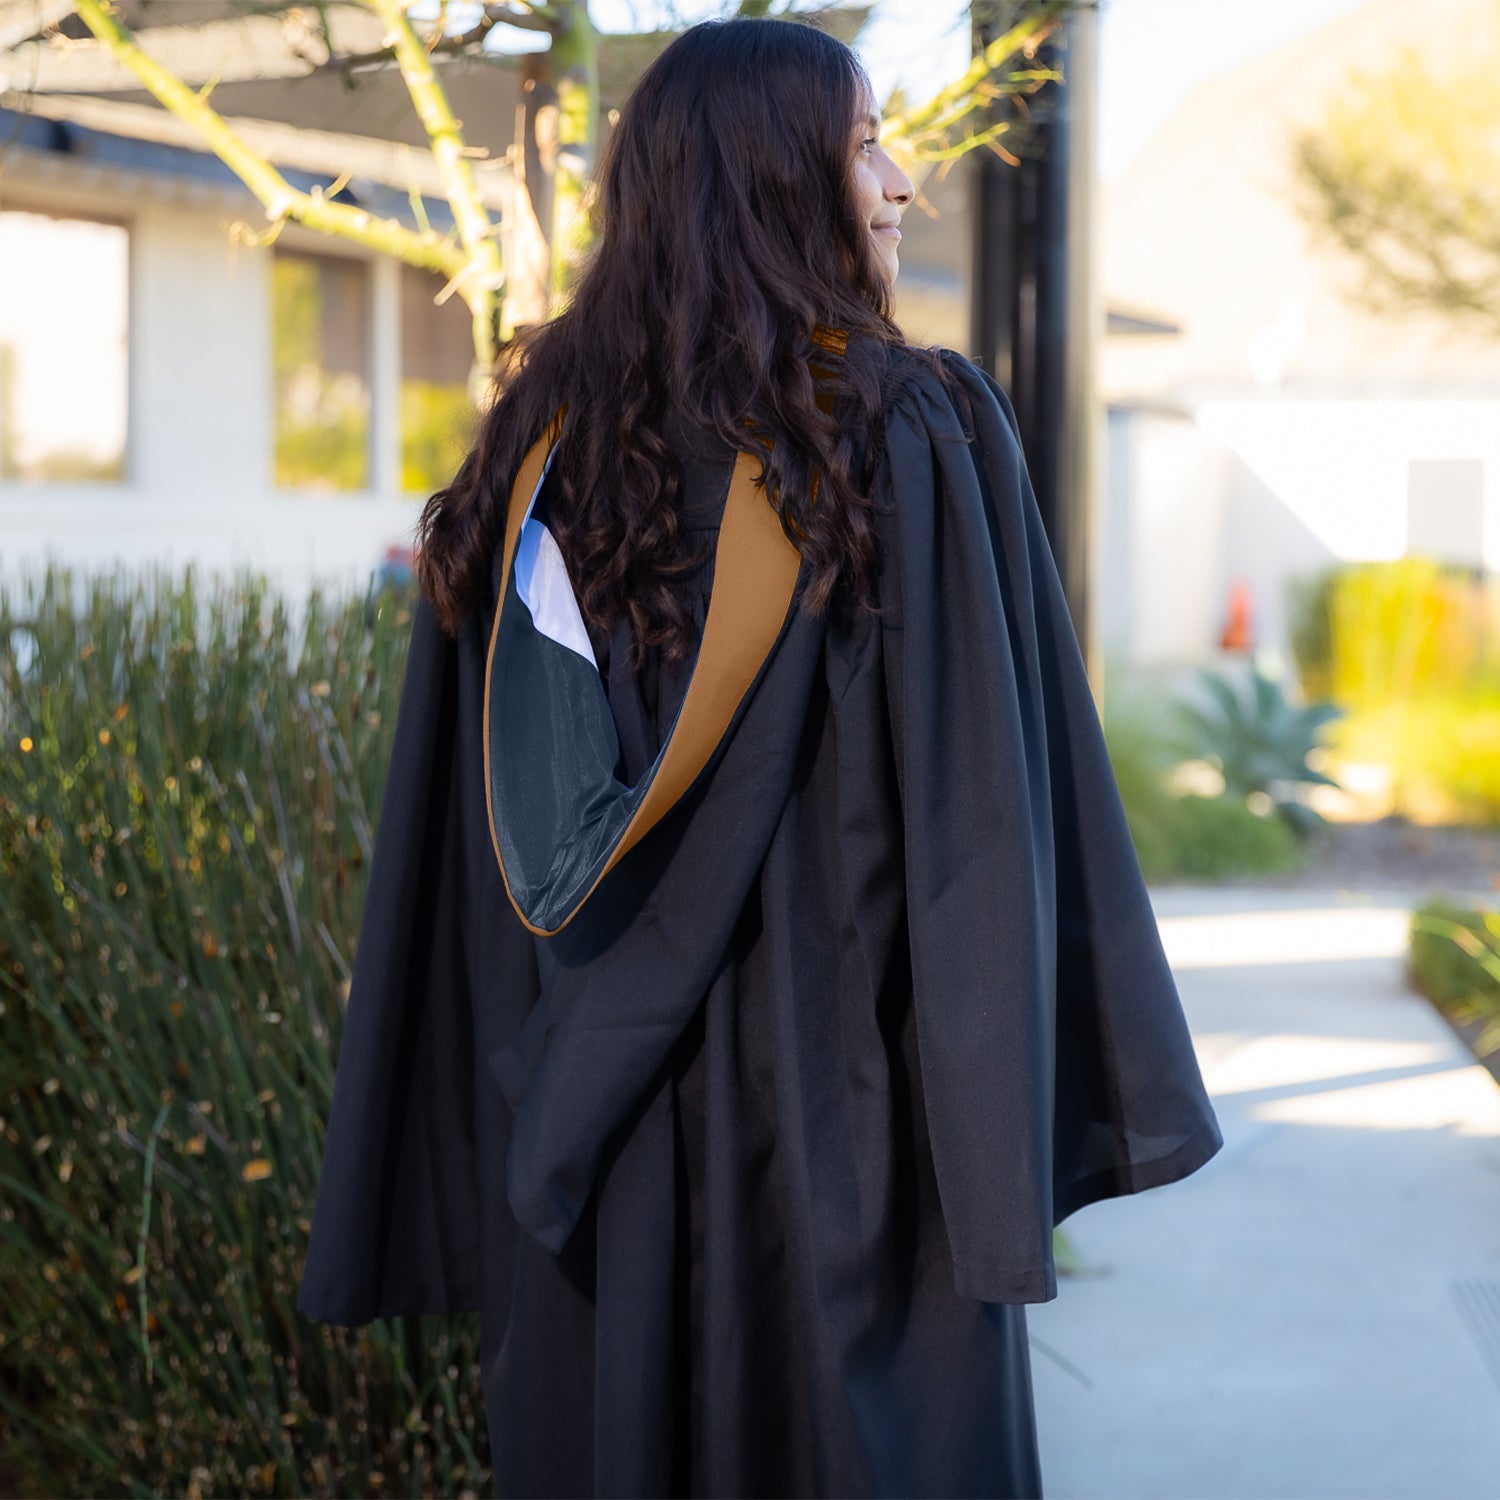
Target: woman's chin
<point>886,258</point>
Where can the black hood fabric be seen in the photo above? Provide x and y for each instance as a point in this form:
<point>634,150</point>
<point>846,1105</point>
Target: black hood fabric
<point>561,814</point>
<point>776,1130</point>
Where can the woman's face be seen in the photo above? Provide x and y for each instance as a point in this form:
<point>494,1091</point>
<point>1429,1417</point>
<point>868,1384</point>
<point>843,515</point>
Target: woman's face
<point>881,189</point>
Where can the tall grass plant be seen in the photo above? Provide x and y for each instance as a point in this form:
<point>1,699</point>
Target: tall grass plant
<point>189,783</point>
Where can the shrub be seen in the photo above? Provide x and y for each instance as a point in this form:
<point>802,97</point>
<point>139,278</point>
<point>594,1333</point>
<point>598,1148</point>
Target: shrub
<point>1141,758</point>
<point>189,782</point>
<point>1454,959</point>
<point>1411,650</point>
<point>1221,836</point>
<point>1310,629</point>
<point>1369,632</point>
<point>1184,836</point>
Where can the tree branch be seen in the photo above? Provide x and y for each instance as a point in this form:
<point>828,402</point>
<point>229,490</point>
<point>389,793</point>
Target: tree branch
<point>280,199</point>
<point>523,18</point>
<point>924,128</point>
<point>486,276</point>
<point>1401,175</point>
<point>575,63</point>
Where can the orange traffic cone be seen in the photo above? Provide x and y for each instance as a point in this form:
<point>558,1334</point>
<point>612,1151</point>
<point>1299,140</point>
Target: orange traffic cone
<point>1238,634</point>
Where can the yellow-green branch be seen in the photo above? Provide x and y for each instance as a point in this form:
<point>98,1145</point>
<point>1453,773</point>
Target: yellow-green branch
<point>976,85</point>
<point>575,62</point>
<point>486,277</point>
<point>280,199</point>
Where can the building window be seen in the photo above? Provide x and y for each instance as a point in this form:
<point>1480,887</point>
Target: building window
<point>438,425</point>
<point>64,300</point>
<point>321,364</point>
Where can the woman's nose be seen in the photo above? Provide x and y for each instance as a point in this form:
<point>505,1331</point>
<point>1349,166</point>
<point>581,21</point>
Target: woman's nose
<point>899,188</point>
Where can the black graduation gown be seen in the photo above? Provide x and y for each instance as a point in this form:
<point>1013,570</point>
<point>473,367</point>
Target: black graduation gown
<point>750,1169</point>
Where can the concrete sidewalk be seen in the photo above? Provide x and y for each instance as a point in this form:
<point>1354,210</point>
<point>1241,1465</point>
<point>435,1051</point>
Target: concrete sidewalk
<point>1316,1312</point>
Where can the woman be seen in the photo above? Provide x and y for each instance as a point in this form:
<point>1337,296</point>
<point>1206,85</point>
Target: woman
<point>756,966</point>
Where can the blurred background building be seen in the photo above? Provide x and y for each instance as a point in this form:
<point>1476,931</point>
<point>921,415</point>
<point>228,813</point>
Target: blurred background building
<point>169,390</point>
<point>1264,419</point>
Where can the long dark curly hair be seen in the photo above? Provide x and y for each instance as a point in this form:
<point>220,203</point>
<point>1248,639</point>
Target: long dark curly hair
<point>726,245</point>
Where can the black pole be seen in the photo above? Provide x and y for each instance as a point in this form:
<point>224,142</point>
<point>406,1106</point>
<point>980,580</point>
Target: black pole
<point>1034,311</point>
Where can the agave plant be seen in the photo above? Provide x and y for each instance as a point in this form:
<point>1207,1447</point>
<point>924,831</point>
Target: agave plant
<point>1259,741</point>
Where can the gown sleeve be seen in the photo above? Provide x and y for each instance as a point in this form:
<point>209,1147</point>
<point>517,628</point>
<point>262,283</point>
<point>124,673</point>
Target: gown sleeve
<point>396,1225</point>
<point>1056,1059</point>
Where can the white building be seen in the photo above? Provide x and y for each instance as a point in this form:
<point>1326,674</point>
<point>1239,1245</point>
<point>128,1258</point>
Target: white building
<point>171,391</point>
<point>1284,427</point>
<point>168,393</point>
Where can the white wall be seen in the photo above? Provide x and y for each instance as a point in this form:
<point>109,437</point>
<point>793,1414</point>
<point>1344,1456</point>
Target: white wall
<point>1161,570</point>
<point>1265,490</point>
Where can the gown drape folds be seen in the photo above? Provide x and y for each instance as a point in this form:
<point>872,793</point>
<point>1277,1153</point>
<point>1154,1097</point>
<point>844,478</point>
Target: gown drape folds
<point>750,1170</point>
